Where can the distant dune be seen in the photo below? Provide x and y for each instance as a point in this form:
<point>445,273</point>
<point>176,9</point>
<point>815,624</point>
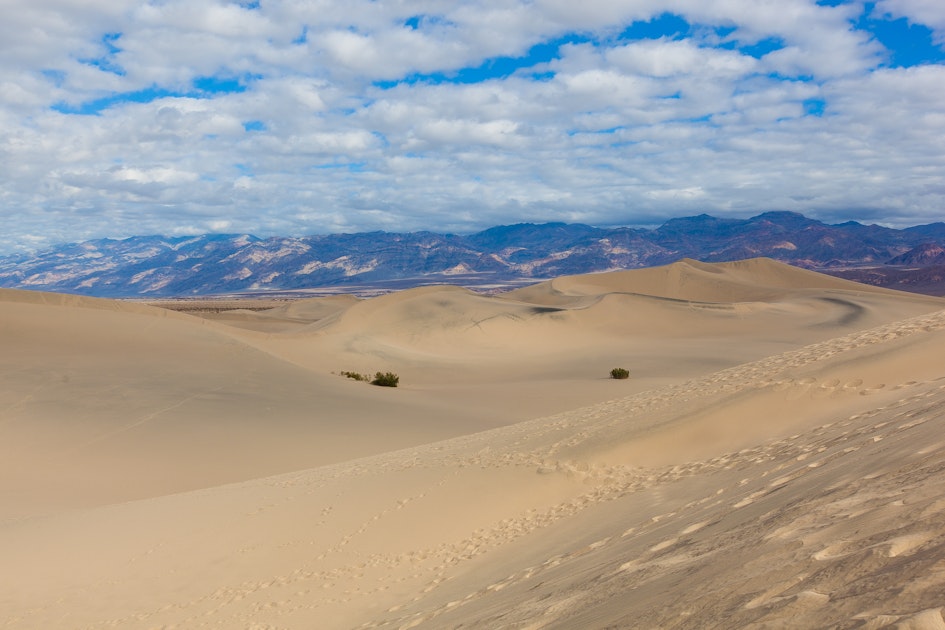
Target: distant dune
<point>776,459</point>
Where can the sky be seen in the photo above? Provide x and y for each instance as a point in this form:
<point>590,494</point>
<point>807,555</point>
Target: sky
<point>297,117</point>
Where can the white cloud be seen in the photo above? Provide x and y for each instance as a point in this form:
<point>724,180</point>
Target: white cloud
<point>607,130</point>
<point>606,14</point>
<point>931,13</point>
<point>819,41</point>
<point>160,175</point>
<point>662,58</point>
<point>466,133</point>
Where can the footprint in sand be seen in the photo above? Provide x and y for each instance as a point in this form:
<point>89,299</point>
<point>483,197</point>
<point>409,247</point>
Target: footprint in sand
<point>930,619</point>
<point>825,389</point>
<point>807,600</point>
<point>694,528</point>
<point>832,552</point>
<point>905,385</point>
<point>907,544</point>
<point>800,390</point>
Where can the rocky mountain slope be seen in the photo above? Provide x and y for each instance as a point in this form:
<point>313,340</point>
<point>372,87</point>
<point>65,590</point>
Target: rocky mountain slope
<point>157,266</point>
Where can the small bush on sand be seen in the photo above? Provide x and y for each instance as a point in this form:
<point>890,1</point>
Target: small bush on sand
<point>355,375</point>
<point>619,373</point>
<point>386,379</point>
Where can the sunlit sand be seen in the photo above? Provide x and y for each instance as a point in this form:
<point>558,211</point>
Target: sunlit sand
<point>776,458</point>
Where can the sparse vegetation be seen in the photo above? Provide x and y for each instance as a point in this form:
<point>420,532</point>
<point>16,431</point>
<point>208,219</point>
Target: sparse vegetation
<point>619,373</point>
<point>382,379</point>
<point>386,379</point>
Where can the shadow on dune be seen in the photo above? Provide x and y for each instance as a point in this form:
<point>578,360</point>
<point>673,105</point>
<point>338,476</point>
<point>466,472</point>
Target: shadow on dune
<point>852,312</point>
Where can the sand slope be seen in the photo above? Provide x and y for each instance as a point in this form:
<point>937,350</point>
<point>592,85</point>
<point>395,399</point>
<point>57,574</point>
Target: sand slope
<point>781,466</point>
<point>102,401</point>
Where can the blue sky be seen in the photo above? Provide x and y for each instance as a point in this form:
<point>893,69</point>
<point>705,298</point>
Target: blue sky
<point>294,117</point>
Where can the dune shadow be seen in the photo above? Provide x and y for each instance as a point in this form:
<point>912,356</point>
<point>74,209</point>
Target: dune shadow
<point>851,311</point>
<point>543,310</point>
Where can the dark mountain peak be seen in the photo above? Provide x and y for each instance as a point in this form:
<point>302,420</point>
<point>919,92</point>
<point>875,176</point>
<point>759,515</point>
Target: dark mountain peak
<point>924,254</point>
<point>531,228</point>
<point>785,219</point>
<point>695,221</point>
<point>930,231</point>
<point>677,232</point>
<point>531,234</point>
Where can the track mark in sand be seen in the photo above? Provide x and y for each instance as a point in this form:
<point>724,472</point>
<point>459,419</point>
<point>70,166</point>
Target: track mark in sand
<point>837,550</point>
<point>907,544</point>
<point>24,400</point>
<point>877,622</point>
<point>774,372</point>
<point>826,389</point>
<point>144,419</point>
<point>930,619</point>
<point>543,445</point>
<point>934,508</point>
<point>666,544</point>
<point>769,468</point>
<point>775,592</point>
<point>796,389</point>
<point>694,528</point>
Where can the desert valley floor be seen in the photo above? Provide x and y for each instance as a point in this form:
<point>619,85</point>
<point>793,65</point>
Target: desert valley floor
<point>775,460</point>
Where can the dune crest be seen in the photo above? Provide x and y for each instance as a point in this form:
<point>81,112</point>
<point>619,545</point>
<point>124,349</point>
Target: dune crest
<point>741,281</point>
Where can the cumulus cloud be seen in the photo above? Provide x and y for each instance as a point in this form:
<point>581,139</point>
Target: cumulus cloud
<point>930,13</point>
<point>297,117</point>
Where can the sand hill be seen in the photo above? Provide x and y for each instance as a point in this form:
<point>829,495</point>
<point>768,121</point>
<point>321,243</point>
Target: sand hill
<point>776,459</point>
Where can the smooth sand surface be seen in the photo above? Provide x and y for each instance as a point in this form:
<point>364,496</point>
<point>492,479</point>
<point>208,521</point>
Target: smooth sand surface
<point>776,460</point>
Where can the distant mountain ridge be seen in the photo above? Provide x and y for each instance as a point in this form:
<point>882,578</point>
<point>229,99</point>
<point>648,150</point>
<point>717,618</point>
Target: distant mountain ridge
<point>157,266</point>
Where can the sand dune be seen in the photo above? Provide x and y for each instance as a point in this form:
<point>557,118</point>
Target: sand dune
<point>775,461</point>
<point>104,401</point>
<point>287,317</point>
<point>691,280</point>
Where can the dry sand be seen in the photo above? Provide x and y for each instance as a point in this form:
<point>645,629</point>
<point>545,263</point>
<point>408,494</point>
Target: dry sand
<point>776,460</point>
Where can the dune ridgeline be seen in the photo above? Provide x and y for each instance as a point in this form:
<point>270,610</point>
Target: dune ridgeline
<point>775,460</point>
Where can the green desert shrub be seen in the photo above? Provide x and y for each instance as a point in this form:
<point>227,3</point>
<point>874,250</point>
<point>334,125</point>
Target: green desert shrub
<point>619,373</point>
<point>386,379</point>
<point>355,375</point>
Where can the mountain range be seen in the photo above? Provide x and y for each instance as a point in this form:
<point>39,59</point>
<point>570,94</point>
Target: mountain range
<point>211,264</point>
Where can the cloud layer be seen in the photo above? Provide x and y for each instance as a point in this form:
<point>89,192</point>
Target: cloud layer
<point>299,116</point>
